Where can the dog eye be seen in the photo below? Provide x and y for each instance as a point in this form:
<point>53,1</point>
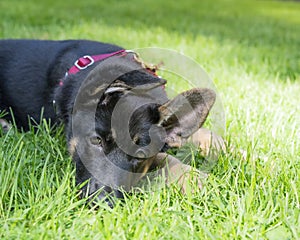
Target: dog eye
<point>96,140</point>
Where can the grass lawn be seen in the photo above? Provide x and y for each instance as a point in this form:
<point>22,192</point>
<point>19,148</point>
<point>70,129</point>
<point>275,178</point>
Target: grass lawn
<point>251,49</point>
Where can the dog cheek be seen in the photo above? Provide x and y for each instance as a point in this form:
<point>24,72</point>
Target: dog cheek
<point>72,145</point>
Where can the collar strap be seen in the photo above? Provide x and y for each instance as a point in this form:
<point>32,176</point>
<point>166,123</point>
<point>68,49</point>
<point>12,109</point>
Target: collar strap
<point>86,61</point>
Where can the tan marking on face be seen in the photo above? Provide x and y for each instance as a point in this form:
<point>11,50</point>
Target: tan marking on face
<point>113,133</point>
<point>143,169</point>
<point>135,138</point>
<point>5,125</point>
<point>72,145</point>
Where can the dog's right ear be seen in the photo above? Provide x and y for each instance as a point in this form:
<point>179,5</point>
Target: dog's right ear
<point>115,88</point>
<point>143,88</point>
<point>101,77</point>
<point>185,114</point>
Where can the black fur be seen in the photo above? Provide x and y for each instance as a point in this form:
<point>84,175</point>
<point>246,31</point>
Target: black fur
<point>30,71</point>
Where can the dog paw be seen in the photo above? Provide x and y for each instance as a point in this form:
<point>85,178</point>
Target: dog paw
<point>210,144</point>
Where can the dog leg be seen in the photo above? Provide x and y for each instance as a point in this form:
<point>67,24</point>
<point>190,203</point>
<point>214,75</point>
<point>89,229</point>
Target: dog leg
<point>4,125</point>
<point>175,171</point>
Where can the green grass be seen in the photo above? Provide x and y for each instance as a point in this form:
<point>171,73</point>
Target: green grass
<point>251,51</point>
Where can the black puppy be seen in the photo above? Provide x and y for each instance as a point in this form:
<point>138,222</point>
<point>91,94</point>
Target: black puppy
<point>117,116</point>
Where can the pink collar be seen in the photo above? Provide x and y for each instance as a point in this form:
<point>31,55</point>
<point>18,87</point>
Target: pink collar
<point>86,61</point>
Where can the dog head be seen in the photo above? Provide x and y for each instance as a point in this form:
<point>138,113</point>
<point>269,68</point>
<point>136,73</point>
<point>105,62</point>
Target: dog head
<point>121,118</point>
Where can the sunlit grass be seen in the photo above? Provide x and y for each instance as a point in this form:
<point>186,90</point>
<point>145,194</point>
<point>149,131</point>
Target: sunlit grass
<point>251,51</point>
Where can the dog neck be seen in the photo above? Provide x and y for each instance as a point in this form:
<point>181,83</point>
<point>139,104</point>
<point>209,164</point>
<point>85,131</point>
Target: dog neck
<point>87,61</point>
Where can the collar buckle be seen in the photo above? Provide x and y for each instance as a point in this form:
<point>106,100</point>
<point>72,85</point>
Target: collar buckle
<point>84,62</point>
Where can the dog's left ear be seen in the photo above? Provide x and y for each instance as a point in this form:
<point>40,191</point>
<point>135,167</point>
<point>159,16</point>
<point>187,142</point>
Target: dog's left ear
<point>185,114</point>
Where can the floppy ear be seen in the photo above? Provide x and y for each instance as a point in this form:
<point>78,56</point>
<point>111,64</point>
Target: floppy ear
<point>185,114</point>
